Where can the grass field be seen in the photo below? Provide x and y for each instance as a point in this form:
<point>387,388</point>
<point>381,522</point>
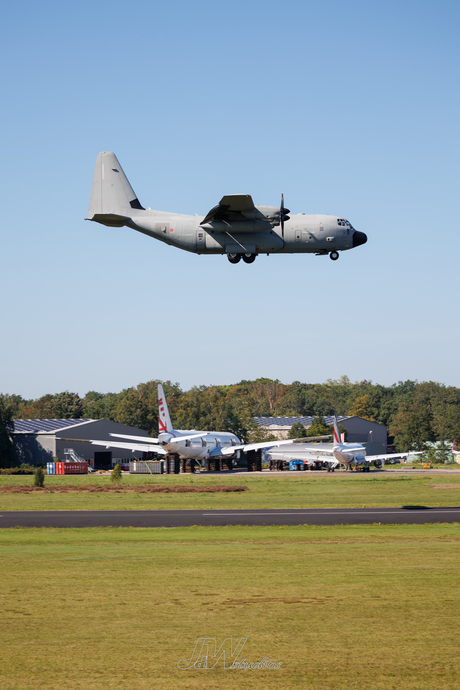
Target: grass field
<point>341,608</point>
<point>291,490</point>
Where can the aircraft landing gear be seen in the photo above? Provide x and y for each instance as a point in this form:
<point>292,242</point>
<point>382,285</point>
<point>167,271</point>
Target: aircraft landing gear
<point>249,258</point>
<point>334,256</point>
<point>233,258</point>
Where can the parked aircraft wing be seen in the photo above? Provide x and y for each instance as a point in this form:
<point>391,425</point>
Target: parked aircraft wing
<point>394,455</point>
<point>144,439</point>
<point>185,437</point>
<point>143,447</point>
<point>232,207</point>
<point>147,439</point>
<point>255,446</point>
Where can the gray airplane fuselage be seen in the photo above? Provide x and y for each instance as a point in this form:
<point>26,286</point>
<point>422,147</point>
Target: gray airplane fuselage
<point>302,234</point>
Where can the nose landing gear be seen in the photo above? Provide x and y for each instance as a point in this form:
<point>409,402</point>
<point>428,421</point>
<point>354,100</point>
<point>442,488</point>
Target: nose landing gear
<point>334,256</point>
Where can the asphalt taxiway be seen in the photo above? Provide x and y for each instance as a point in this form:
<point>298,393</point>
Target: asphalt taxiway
<point>187,518</point>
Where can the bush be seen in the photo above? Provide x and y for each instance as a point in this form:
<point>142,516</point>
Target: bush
<point>23,469</point>
<point>39,477</point>
<point>116,474</point>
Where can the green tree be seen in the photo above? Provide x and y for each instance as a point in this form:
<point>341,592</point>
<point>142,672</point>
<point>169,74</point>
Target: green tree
<point>100,405</point>
<point>412,424</point>
<point>6,429</point>
<point>361,407</point>
<point>139,407</point>
<point>115,475</point>
<point>297,430</point>
<point>318,428</point>
<point>16,403</point>
<point>67,406</point>
<point>39,477</point>
<point>290,404</point>
<point>42,408</point>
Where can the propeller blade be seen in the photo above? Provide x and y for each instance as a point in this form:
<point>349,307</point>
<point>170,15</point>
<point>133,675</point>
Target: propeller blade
<point>283,214</point>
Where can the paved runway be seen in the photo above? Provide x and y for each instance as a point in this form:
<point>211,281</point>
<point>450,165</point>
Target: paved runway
<point>187,518</point>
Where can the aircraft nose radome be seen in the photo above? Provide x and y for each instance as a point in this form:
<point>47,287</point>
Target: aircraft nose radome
<point>359,238</point>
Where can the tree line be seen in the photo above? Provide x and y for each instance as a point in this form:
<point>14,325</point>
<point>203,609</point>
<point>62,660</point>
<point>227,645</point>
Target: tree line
<point>414,412</point>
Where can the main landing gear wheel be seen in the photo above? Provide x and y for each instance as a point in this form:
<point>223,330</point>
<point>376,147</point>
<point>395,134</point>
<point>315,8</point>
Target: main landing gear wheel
<point>234,258</point>
<point>334,256</point>
<point>249,258</point>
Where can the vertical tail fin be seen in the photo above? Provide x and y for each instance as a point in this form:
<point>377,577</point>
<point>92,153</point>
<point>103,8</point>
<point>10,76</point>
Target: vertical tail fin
<point>111,193</point>
<point>164,420</point>
<point>336,430</point>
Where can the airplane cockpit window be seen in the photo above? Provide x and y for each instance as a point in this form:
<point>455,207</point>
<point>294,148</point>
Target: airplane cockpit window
<point>345,223</point>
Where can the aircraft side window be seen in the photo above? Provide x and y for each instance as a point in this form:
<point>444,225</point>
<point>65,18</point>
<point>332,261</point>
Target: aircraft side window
<point>203,443</point>
<point>188,443</point>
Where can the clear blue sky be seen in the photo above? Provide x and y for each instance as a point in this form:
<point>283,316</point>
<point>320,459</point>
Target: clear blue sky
<point>350,108</point>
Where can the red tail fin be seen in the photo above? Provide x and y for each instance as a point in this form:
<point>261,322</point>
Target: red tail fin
<point>336,431</point>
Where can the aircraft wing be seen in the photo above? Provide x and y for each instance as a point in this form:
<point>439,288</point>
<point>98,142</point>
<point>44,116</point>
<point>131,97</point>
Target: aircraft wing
<point>143,447</point>
<point>185,437</point>
<point>229,450</point>
<point>394,455</point>
<point>232,207</point>
<point>143,439</point>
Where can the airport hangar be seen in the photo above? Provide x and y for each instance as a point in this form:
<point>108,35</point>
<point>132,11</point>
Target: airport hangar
<point>371,435</point>
<point>42,440</point>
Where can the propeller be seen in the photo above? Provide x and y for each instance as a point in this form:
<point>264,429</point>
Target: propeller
<point>283,215</point>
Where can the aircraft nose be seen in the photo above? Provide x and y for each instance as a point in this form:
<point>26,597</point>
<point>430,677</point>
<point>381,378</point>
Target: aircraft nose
<point>359,238</point>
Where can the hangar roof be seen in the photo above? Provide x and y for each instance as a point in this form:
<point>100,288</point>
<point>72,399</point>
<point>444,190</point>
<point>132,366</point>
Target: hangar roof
<point>33,426</point>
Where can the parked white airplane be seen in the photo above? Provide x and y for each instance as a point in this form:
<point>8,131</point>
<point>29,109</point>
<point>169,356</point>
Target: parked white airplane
<point>235,227</point>
<point>189,445</point>
<point>351,455</point>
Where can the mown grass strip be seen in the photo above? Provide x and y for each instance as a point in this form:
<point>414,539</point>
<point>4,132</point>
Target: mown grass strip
<point>304,491</point>
<point>371,607</point>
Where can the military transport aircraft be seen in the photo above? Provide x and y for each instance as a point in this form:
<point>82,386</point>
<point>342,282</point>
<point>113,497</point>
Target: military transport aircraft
<point>188,445</point>
<point>235,227</point>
